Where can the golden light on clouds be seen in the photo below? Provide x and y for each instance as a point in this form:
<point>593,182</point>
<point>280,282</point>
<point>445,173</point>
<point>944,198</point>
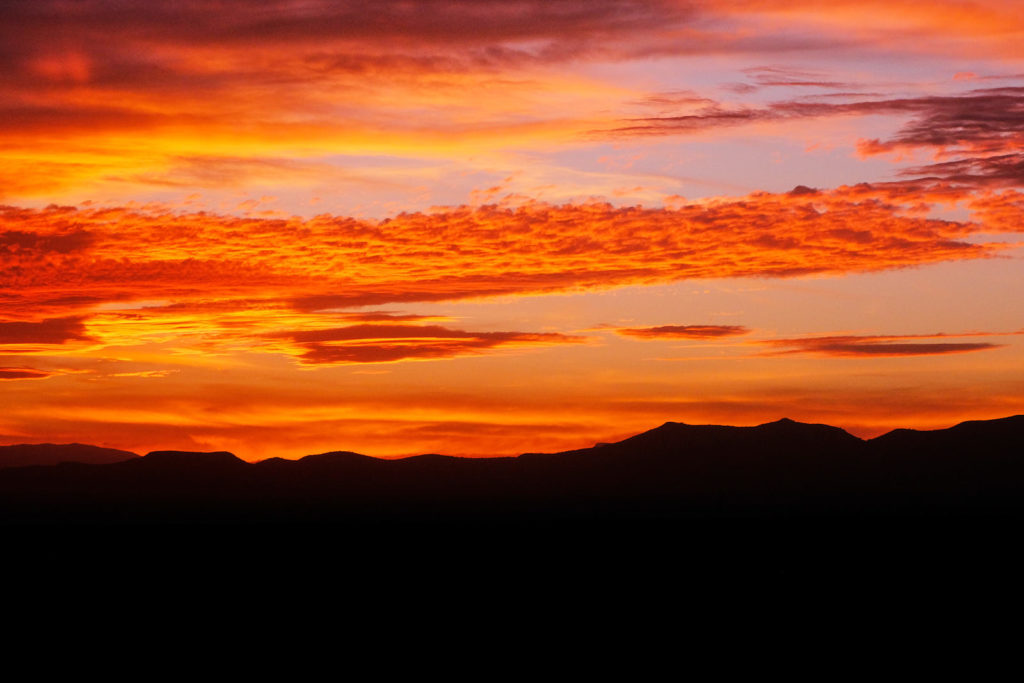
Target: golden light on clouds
<point>486,227</point>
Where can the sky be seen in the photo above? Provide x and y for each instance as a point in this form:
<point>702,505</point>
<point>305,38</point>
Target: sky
<point>488,227</point>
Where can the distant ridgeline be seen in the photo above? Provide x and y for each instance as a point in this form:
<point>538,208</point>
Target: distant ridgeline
<point>782,469</point>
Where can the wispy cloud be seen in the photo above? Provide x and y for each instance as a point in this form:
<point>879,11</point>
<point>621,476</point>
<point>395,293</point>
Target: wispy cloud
<point>683,331</point>
<point>984,127</point>
<point>981,119</point>
<point>219,95</point>
<point>23,373</point>
<point>852,346</point>
<point>774,76</point>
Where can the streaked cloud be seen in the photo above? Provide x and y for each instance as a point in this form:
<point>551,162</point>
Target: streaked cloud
<point>23,373</point>
<point>384,343</point>
<point>220,96</point>
<point>851,346</point>
<point>985,119</point>
<point>683,331</point>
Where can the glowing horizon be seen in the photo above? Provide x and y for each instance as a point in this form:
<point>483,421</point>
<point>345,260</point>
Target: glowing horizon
<point>487,228</point>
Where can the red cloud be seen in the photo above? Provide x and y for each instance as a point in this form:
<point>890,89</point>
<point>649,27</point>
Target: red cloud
<point>381,343</point>
<point>683,331</point>
<point>23,373</point>
<point>877,346</point>
<point>52,331</point>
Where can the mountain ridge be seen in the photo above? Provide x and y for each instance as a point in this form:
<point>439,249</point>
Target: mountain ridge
<point>24,455</point>
<point>780,469</point>
<point>78,452</point>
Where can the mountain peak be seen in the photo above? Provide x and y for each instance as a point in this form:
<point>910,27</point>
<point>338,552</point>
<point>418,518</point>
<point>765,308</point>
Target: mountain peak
<point>806,430</point>
<point>192,458</point>
<point>783,421</point>
<point>334,458</point>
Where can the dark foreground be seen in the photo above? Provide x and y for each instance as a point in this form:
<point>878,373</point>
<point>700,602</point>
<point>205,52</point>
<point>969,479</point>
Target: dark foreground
<point>783,471</point>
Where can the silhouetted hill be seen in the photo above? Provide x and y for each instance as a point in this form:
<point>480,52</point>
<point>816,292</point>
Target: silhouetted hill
<point>192,459</point>
<point>1003,434</point>
<point>23,455</point>
<point>337,457</point>
<point>782,469</point>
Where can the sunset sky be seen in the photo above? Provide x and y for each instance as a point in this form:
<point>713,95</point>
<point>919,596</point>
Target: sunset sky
<point>497,226</point>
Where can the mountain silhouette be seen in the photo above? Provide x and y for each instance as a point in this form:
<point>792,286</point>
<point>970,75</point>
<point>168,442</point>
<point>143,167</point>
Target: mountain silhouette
<point>778,470</point>
<point>22,455</point>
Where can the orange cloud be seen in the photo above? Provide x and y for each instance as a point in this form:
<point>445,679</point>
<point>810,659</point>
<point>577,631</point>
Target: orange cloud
<point>945,27</point>
<point>124,277</point>
<point>219,94</point>
<point>99,99</point>
<point>220,97</point>
<point>78,257</point>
